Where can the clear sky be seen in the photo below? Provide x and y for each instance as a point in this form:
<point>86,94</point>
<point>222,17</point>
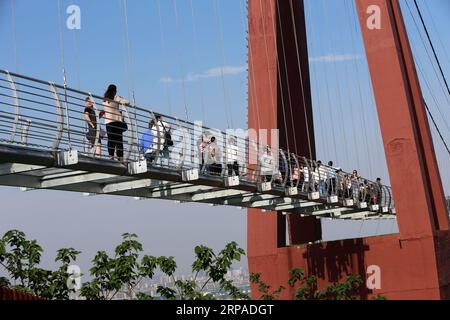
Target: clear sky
<point>163,52</point>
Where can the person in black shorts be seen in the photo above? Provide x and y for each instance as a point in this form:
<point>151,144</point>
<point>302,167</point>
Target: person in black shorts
<point>91,120</point>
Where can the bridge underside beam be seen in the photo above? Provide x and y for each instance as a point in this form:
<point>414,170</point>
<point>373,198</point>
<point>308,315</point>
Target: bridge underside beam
<point>147,186</point>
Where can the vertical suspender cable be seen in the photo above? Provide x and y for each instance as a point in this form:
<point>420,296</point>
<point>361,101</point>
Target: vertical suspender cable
<point>294,23</point>
<point>251,67</point>
<point>338,86</point>
<point>324,139</point>
<point>61,40</point>
<point>130,75</point>
<point>357,69</point>
<point>183,80</point>
<point>228,112</point>
<point>280,81</point>
<point>76,52</point>
<point>127,42</point>
<point>286,70</point>
<point>268,62</point>
<point>14,33</point>
<point>194,33</point>
<point>164,53</point>
<point>252,83</point>
<point>349,89</point>
<point>333,133</point>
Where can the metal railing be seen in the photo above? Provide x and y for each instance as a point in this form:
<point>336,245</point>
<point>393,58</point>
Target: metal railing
<point>52,117</point>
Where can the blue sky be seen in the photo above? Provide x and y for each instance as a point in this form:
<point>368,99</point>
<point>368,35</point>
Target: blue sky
<point>346,123</point>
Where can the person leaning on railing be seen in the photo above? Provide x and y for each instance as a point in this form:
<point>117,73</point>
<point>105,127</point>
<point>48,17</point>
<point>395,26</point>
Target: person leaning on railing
<point>115,125</point>
<point>146,143</point>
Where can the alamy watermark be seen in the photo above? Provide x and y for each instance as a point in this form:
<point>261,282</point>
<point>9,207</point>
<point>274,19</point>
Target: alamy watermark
<point>374,19</point>
<point>73,21</point>
<point>373,281</point>
<point>74,278</point>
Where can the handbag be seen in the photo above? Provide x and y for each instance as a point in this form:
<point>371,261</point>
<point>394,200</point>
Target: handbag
<point>123,126</point>
<point>167,137</point>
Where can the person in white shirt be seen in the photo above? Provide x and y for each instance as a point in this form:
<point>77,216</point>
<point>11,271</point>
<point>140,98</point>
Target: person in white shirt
<point>232,157</point>
<point>331,179</point>
<point>322,176</point>
<point>162,139</point>
<point>213,158</point>
<point>115,126</point>
<point>315,179</point>
<point>202,144</point>
<point>305,184</point>
<point>267,164</point>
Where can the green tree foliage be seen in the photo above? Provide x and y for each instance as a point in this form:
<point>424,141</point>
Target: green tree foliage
<point>21,258</point>
<point>128,267</point>
<point>264,288</point>
<point>122,272</point>
<point>307,289</point>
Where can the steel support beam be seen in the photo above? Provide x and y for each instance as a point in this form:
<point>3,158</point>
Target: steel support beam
<point>73,180</point>
<point>16,168</point>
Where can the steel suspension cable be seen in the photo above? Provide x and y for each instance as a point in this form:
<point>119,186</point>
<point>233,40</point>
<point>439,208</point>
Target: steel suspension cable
<point>286,70</point>
<point>14,33</point>
<point>123,5</point>
<point>252,82</point>
<point>228,112</point>
<point>442,85</point>
<point>444,49</point>
<point>349,91</point>
<point>432,46</point>
<point>251,67</point>
<point>164,54</point>
<point>76,53</point>
<point>183,79</point>
<point>337,158</point>
<point>369,91</point>
<point>195,36</point>
<point>358,74</point>
<point>429,87</point>
<point>325,141</point>
<point>280,81</point>
<point>338,89</point>
<point>63,65</point>
<point>294,23</point>
<point>424,78</point>
<point>437,128</point>
<point>268,62</point>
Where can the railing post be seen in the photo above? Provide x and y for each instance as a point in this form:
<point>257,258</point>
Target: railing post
<point>16,105</point>
<point>59,117</point>
<point>66,106</point>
